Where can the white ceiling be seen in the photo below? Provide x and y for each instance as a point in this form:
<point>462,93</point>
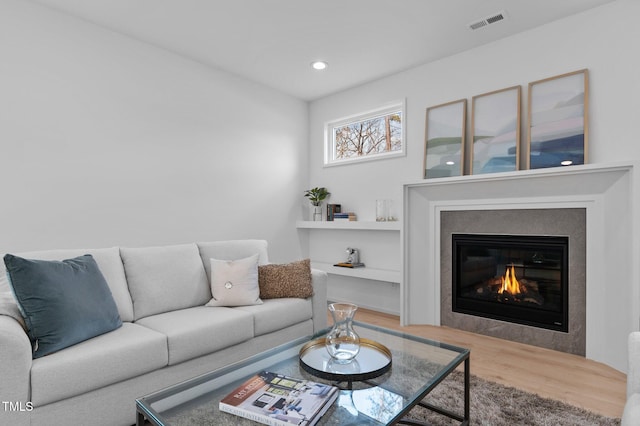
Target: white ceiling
<point>274,41</point>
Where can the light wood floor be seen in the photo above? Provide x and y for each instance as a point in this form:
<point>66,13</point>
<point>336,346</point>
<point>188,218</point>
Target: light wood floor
<point>569,378</point>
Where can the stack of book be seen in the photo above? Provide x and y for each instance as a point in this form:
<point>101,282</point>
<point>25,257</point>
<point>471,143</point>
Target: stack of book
<point>274,399</point>
<point>350,216</point>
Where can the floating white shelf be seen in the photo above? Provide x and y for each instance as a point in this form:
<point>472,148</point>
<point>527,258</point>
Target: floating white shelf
<point>364,272</point>
<point>349,225</point>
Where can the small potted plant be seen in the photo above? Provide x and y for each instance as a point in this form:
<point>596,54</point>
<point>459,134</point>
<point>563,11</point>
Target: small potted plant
<point>316,196</point>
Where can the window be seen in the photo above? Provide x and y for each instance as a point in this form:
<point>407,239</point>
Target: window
<point>368,136</point>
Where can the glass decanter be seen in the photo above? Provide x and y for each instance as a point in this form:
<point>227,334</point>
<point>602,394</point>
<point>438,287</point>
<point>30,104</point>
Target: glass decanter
<point>342,342</point>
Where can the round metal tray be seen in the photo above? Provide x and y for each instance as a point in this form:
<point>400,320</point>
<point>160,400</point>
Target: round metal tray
<point>372,361</point>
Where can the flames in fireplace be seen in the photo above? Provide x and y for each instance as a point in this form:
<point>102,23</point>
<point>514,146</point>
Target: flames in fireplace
<point>510,283</point>
<point>509,289</point>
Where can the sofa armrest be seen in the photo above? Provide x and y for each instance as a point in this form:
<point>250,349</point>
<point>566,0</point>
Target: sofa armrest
<point>15,362</point>
<point>319,299</point>
<point>633,373</point>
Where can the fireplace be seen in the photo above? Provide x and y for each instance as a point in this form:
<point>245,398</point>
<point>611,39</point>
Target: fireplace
<point>598,201</point>
<point>516,278</point>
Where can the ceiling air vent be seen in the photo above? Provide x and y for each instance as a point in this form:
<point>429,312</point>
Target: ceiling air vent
<point>491,19</point>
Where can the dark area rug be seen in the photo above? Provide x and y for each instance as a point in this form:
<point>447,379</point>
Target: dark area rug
<point>497,405</point>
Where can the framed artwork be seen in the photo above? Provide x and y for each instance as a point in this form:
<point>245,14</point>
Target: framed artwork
<point>557,132</point>
<point>495,131</point>
<point>444,139</point>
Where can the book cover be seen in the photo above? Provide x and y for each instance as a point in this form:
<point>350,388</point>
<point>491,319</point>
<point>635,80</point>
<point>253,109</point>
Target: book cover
<point>350,265</point>
<point>332,209</point>
<point>274,399</point>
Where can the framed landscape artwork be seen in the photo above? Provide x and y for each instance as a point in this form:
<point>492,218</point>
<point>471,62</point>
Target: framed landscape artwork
<point>444,139</point>
<point>557,132</point>
<point>495,131</point>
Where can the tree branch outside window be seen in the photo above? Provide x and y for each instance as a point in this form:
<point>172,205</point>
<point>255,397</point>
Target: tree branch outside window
<point>366,135</point>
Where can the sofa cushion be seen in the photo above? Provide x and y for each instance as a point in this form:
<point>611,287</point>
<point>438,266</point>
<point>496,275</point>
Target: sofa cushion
<point>9,307</point>
<point>110,358</point>
<point>201,330</point>
<point>109,262</point>
<point>163,279</point>
<point>232,250</point>
<point>235,282</point>
<point>269,316</point>
<point>289,280</point>
<point>62,302</point>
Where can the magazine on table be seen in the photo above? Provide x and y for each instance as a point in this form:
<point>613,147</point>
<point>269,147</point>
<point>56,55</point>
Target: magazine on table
<point>274,399</point>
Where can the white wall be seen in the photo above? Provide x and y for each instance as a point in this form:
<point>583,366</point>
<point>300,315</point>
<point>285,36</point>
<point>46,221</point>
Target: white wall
<point>107,141</point>
<point>604,40</point>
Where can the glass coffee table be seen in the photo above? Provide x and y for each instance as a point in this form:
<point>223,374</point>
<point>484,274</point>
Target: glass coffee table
<point>417,366</point>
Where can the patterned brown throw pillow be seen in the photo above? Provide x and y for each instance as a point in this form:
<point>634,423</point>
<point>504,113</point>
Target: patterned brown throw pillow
<point>287,280</point>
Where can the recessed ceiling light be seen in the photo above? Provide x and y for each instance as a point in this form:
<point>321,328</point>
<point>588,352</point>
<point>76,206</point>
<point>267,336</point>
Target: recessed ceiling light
<point>319,65</point>
<point>566,162</point>
<point>450,163</point>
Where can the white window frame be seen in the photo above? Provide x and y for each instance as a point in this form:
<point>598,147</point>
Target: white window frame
<point>329,135</point>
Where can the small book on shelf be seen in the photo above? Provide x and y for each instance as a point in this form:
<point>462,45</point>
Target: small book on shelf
<point>350,265</point>
<point>332,209</point>
<point>274,399</point>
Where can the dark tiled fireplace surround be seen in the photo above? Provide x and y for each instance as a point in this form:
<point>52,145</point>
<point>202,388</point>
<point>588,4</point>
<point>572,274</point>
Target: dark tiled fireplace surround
<point>569,222</point>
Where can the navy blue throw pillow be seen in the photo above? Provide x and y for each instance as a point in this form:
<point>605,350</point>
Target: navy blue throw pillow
<point>63,302</point>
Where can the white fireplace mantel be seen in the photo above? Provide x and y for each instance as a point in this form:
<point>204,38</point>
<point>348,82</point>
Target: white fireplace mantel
<point>613,241</point>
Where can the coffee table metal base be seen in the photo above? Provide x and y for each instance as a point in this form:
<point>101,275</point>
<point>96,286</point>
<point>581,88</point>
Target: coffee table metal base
<point>463,419</point>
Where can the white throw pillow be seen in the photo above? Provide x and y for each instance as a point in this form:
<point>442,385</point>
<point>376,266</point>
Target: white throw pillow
<point>235,282</point>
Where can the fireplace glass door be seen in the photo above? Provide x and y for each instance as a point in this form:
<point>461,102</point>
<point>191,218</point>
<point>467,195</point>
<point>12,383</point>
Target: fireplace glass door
<point>517,278</point>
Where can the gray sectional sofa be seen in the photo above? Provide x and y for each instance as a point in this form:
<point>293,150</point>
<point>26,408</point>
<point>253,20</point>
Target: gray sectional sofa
<point>167,335</point>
